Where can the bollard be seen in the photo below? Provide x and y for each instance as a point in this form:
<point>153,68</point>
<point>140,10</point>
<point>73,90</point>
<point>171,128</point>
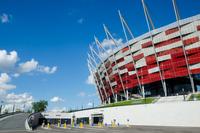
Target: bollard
<point>106,124</point>
<point>48,125</point>
<point>65,125</point>
<point>43,124</point>
<point>113,124</point>
<point>99,124</point>
<point>72,124</point>
<point>58,124</point>
<point>127,123</point>
<point>81,125</point>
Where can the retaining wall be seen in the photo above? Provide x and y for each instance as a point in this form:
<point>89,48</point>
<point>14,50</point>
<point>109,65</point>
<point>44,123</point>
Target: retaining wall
<point>185,114</point>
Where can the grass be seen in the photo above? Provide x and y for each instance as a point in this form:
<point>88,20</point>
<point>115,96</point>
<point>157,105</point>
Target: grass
<point>131,102</point>
<point>194,96</point>
<point>123,103</point>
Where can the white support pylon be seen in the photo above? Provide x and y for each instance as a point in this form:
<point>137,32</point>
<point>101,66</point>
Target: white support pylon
<point>124,24</point>
<point>93,51</point>
<point>127,94</point>
<point>90,58</point>
<point>96,86</point>
<point>108,34</point>
<point>183,46</point>
<point>101,47</point>
<point>148,16</point>
<point>156,56</point>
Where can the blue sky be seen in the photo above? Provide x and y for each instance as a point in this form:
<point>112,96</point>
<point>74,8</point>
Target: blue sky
<point>57,33</point>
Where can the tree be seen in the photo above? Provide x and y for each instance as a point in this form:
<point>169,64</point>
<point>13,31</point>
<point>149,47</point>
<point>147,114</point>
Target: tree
<point>5,111</point>
<point>29,111</point>
<point>39,106</point>
<point>18,110</point>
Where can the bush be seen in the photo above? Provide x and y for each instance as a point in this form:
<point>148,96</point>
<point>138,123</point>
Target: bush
<point>39,106</point>
<point>194,96</point>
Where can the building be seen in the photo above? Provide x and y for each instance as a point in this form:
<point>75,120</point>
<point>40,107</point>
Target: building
<point>184,114</point>
<point>162,62</point>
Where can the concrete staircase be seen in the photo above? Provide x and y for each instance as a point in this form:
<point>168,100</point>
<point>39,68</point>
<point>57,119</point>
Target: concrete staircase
<point>171,99</point>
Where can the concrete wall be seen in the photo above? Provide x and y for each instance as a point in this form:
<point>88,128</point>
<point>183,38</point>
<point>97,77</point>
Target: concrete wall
<point>162,114</point>
<point>168,114</point>
<point>54,115</point>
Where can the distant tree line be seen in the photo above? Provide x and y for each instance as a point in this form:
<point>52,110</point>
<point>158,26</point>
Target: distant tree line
<point>39,106</point>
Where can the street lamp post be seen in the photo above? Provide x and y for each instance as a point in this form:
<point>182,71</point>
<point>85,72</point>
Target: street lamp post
<point>13,108</point>
<point>1,106</point>
<point>183,92</point>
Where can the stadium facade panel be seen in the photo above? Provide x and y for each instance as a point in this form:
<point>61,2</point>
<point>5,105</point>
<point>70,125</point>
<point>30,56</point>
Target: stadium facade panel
<point>156,63</point>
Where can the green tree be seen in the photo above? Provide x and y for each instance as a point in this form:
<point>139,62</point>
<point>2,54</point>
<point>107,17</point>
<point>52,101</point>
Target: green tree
<point>29,111</point>
<point>39,106</point>
<point>5,111</point>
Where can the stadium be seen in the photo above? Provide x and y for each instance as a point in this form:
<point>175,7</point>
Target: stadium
<point>161,62</point>
<point>155,73</point>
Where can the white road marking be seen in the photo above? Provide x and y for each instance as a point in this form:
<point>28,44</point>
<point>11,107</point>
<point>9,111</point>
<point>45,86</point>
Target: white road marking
<point>7,131</point>
<point>9,116</point>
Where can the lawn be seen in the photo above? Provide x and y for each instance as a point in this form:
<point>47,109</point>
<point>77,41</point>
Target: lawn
<point>131,102</point>
<point>124,103</point>
<point>194,96</point>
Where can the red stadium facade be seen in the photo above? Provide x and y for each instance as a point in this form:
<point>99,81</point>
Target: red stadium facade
<point>162,62</point>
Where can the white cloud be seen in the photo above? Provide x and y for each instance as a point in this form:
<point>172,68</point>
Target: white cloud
<point>81,94</point>
<point>90,80</point>
<point>33,65</point>
<point>92,95</point>
<point>90,104</point>
<point>47,69</point>
<point>110,42</point>
<point>107,44</point>
<point>2,94</point>
<point>7,60</point>
<point>16,75</point>
<point>5,18</point>
<point>9,64</point>
<point>28,66</point>
<point>7,86</point>
<point>81,20</point>
<point>57,109</point>
<point>4,79</point>
<point>23,98</point>
<point>21,101</point>
<point>56,99</point>
<point>104,55</point>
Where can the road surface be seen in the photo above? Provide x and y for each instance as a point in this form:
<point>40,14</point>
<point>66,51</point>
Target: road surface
<point>136,129</point>
<point>13,124</point>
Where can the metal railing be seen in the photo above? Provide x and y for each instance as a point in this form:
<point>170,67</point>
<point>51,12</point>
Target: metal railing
<point>8,114</point>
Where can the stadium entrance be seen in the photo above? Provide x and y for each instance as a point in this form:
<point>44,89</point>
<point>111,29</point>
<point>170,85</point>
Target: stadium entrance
<point>176,86</point>
<point>97,118</point>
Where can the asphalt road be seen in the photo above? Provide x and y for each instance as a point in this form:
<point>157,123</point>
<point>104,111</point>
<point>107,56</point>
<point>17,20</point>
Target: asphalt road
<point>13,124</point>
<point>137,129</point>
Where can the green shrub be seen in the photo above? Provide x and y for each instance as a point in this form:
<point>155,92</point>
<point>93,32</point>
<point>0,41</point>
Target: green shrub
<point>131,102</point>
<point>194,96</point>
